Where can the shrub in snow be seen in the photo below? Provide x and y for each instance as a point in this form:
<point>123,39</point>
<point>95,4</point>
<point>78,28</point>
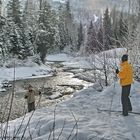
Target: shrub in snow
<point>29,62</point>
<point>2,20</point>
<point>36,59</point>
<point>69,50</point>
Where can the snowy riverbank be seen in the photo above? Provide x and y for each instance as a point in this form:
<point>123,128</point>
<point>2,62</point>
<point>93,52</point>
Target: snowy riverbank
<point>78,118</point>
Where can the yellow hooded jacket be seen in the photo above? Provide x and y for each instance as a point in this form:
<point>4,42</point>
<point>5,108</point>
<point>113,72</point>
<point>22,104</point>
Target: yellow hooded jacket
<point>126,74</point>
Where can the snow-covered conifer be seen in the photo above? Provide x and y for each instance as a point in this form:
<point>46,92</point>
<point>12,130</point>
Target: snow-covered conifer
<point>46,33</point>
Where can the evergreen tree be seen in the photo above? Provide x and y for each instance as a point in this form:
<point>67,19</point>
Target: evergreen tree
<point>123,29</point>
<point>25,12</point>
<point>0,7</point>
<point>15,24</point>
<point>100,38</point>
<point>3,37</point>
<point>62,28</point>
<point>70,29</point>
<point>114,15</point>
<point>13,12</point>
<point>107,30</point>
<point>138,5</point>
<point>15,39</point>
<point>67,29</point>
<point>46,34</point>
<point>15,33</point>
<point>20,43</point>
<point>27,34</point>
<point>30,24</point>
<point>30,15</point>
<point>62,36</point>
<point>40,4</point>
<point>80,36</point>
<point>68,15</point>
<point>27,46</point>
<point>91,44</point>
<point>68,23</point>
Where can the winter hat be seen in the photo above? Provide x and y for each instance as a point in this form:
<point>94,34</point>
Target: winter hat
<point>124,57</point>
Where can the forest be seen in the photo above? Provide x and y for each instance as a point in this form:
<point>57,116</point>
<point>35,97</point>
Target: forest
<point>37,30</point>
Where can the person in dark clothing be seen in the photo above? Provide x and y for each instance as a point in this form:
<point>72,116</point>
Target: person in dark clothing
<point>126,79</point>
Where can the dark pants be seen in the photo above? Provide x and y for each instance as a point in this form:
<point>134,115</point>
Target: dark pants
<point>31,106</point>
<point>126,104</point>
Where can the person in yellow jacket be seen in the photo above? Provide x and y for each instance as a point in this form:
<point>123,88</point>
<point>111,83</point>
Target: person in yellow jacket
<point>30,96</point>
<point>126,79</point>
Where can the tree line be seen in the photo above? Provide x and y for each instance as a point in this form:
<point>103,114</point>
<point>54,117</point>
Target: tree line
<point>40,29</point>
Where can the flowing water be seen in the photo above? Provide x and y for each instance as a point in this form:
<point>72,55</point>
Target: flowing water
<point>59,87</point>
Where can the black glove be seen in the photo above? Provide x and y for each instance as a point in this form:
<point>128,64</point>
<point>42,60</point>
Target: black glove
<point>25,96</point>
<point>39,92</point>
<point>117,71</point>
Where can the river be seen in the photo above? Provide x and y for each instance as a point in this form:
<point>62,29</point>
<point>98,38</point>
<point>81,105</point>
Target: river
<point>59,87</point>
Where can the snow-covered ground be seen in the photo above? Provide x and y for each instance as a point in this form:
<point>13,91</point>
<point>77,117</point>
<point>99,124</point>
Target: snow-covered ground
<point>28,69</point>
<point>59,57</point>
<point>7,74</point>
<point>79,119</point>
<point>112,57</point>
